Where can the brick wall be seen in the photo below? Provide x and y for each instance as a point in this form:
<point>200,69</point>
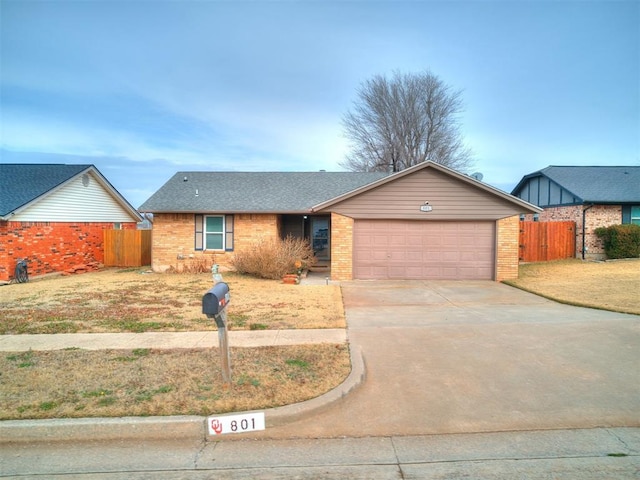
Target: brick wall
<point>173,243</point>
<point>596,216</point>
<point>341,247</point>
<point>507,249</point>
<point>51,246</point>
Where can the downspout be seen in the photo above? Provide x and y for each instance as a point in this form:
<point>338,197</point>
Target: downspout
<point>584,228</point>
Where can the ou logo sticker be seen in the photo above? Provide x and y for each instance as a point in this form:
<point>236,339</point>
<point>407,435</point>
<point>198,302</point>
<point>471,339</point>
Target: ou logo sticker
<point>216,426</point>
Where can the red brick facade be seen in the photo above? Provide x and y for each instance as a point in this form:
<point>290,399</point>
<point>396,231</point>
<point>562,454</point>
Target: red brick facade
<point>595,217</point>
<point>51,247</point>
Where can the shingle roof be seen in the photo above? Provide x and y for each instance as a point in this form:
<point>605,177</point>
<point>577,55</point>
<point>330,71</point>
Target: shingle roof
<point>22,183</point>
<point>237,192</point>
<point>594,184</point>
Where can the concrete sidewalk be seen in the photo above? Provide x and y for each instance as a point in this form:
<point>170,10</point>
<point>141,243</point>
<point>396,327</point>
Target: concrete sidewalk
<point>593,454</point>
<point>168,340</point>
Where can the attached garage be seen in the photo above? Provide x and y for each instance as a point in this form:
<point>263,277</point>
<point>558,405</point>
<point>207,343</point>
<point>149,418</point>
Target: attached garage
<point>427,222</point>
<point>423,250</point>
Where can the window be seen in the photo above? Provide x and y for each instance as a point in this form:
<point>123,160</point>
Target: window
<point>635,214</point>
<point>631,214</point>
<point>214,232</point>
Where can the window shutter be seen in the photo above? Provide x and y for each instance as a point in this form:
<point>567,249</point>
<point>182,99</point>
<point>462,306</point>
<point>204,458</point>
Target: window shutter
<point>228,240</point>
<point>626,213</point>
<point>199,237</point>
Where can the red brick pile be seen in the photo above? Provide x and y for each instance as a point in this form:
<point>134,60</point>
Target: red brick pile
<point>83,268</point>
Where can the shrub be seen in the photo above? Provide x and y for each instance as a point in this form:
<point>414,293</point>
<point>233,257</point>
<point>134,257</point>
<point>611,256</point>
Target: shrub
<point>620,241</point>
<point>270,258</point>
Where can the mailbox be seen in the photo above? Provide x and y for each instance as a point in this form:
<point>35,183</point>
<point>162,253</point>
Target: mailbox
<point>216,299</point>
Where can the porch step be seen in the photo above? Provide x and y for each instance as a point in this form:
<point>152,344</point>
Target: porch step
<point>320,268</point>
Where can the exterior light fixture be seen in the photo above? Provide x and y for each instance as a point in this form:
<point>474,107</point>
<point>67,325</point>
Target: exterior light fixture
<point>426,207</point>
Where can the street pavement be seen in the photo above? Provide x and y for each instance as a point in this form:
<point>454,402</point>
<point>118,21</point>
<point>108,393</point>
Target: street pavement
<point>474,378</point>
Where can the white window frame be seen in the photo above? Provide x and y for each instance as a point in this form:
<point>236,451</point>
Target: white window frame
<point>222,233</point>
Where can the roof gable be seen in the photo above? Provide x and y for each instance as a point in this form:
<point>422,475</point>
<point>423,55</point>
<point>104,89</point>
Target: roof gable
<point>253,192</point>
<point>594,184</point>
<point>475,189</point>
<point>28,187</point>
<point>21,184</point>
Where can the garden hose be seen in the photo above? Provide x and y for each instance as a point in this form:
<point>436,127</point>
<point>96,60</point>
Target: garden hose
<point>21,273</point>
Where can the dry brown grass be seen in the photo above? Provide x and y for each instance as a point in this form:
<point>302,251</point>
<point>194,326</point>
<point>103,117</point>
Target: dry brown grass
<point>117,300</point>
<point>611,285</point>
<point>78,383</point>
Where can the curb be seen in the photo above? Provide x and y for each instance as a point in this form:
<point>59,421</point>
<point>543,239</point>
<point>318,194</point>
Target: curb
<point>158,428</point>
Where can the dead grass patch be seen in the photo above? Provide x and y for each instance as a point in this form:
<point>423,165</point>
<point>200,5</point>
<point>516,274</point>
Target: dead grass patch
<point>611,285</point>
<point>79,383</point>
<point>117,300</point>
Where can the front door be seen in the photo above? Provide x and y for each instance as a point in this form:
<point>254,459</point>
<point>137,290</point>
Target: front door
<point>320,238</point>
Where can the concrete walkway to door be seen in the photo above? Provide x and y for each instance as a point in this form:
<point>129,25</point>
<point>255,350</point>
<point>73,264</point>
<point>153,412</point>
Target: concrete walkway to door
<point>456,356</point>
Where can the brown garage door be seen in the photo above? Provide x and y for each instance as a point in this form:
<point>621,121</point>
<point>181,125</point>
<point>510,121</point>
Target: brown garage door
<point>400,249</point>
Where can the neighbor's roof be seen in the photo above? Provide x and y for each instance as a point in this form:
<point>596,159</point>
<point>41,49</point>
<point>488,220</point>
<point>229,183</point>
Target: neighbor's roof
<point>256,192</point>
<point>593,184</point>
<point>20,184</point>
<point>24,183</point>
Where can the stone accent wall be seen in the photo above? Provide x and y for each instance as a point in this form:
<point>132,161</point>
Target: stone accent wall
<point>507,249</point>
<point>341,247</point>
<point>51,247</point>
<point>596,216</point>
<point>174,239</point>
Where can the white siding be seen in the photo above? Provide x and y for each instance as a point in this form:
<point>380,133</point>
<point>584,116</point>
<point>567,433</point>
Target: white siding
<point>77,201</point>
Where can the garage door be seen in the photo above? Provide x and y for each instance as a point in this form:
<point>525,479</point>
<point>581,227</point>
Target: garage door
<point>400,249</point>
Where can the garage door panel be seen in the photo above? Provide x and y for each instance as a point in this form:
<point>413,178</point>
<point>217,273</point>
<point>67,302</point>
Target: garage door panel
<point>423,250</point>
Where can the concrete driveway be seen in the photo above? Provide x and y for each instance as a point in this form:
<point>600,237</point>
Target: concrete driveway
<point>453,357</point>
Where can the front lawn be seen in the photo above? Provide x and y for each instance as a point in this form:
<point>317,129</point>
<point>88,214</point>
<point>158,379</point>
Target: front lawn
<point>611,285</point>
<point>133,300</point>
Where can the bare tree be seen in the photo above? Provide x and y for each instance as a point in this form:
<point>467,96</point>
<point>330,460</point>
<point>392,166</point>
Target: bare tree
<point>405,120</point>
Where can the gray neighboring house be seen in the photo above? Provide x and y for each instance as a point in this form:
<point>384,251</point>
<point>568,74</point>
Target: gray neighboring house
<point>592,197</point>
<point>425,222</point>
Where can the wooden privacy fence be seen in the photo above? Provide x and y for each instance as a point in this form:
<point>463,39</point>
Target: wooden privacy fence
<point>544,241</point>
<point>127,248</point>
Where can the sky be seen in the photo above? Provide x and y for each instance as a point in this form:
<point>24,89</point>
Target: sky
<point>144,89</point>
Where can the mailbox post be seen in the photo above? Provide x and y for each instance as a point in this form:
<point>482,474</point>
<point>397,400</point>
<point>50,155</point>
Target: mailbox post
<point>214,305</point>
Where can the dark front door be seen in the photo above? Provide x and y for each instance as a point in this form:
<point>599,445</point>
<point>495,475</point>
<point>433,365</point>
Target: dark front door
<point>320,237</point>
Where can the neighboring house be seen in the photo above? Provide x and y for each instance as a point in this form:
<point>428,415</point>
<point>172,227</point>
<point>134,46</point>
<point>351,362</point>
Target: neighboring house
<point>590,196</point>
<point>54,216</point>
<point>425,222</point>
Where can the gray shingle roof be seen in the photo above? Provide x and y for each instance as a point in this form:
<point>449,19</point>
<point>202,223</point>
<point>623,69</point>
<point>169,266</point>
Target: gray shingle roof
<point>594,184</point>
<point>237,192</point>
<point>21,183</point>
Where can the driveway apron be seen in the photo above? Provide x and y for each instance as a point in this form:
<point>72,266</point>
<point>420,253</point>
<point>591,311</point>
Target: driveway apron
<point>462,356</point>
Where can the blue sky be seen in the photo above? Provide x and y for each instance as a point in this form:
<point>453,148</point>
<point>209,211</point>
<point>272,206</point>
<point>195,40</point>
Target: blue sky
<point>143,89</point>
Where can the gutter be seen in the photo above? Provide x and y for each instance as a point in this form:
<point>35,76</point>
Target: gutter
<point>584,228</point>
